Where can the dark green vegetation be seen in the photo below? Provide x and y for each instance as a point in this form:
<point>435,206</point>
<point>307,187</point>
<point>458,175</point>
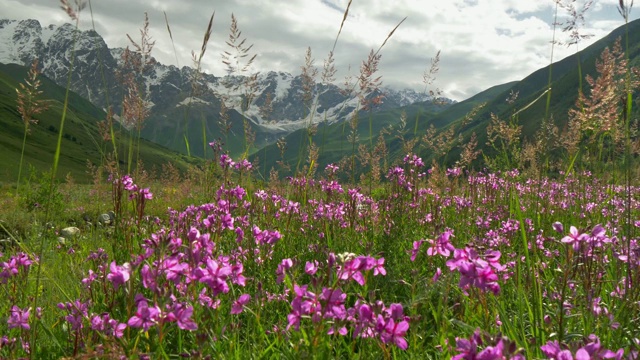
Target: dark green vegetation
<point>82,141</point>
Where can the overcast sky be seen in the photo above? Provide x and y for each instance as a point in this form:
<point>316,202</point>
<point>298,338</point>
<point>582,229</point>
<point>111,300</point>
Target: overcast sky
<point>482,42</point>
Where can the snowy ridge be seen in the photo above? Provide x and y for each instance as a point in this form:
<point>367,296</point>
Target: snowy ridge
<point>8,53</point>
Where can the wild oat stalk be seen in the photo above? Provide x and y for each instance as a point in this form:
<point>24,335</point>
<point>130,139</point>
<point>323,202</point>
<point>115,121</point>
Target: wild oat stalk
<point>308,75</point>
<point>265,111</point>
<point>175,53</point>
<point>440,143</point>
<point>553,46</point>
<point>596,115</point>
<point>198,89</point>
<point>29,105</point>
<point>239,60</point>
<point>327,76</point>
<point>428,78</point>
<point>572,26</point>
<point>368,84</point>
<point>136,99</point>
<point>505,138</point>
<point>109,122</point>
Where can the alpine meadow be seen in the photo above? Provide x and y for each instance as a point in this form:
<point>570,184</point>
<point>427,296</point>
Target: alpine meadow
<point>153,211</point>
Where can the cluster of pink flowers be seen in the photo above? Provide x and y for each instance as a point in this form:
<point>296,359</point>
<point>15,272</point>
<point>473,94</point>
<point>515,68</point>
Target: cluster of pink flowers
<point>499,348</point>
<point>134,190</point>
<point>11,268</point>
<point>475,270</point>
<point>592,350</point>
<point>478,271</point>
<point>328,304</point>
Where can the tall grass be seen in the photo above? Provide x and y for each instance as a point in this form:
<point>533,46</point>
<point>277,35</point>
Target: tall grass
<point>29,104</point>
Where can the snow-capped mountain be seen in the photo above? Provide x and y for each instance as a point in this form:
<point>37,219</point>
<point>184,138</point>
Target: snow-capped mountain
<point>174,106</point>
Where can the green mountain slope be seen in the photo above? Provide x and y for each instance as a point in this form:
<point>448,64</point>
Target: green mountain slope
<point>564,88</point>
<point>81,138</point>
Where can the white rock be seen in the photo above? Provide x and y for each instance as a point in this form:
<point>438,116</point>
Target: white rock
<point>69,232</point>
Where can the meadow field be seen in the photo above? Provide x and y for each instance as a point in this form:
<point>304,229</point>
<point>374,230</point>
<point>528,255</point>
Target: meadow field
<point>528,251</point>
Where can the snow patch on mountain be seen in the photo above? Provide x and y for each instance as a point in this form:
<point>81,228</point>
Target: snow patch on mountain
<point>192,100</point>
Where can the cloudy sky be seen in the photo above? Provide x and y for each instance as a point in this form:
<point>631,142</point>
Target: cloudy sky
<point>482,42</point>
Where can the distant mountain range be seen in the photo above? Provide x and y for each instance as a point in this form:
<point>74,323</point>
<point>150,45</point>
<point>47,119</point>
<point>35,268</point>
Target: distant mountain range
<point>175,111</point>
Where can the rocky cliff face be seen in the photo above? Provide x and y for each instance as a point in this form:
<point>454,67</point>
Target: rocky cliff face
<point>174,108</point>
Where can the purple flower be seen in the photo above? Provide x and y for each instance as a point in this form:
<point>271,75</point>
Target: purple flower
<point>264,237</point>
<point>244,164</point>
<point>110,327</point>
<point>19,318</point>
<point>300,305</point>
<point>174,269</point>
<point>182,313</point>
<point>331,169</point>
<point>333,300</point>
<point>416,249</point>
<point>119,274</point>
<point>77,311</point>
<point>442,245</point>
<point>284,265</point>
<point>454,172</point>
<point>379,268</point>
<point>226,161</point>
<point>146,193</point>
<point>215,276</point>
<point>145,316</point>
<point>551,349</point>
<point>574,237</point>
<point>311,267</point>
<point>9,270</point>
<point>97,323</point>
<point>89,279</point>
<point>352,269</point>
<point>127,182</point>
<point>493,352</point>
<point>468,347</point>
<point>475,270</point>
<point>239,304</point>
<point>592,350</point>
<point>117,328</point>
<point>149,276</point>
<point>437,275</point>
<point>557,226</point>
<point>394,332</point>
<point>22,259</point>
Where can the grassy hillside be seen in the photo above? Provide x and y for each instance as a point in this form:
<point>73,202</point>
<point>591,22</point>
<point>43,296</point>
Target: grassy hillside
<point>81,138</point>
